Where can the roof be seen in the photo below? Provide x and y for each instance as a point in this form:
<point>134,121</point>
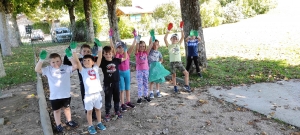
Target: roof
<point>132,10</point>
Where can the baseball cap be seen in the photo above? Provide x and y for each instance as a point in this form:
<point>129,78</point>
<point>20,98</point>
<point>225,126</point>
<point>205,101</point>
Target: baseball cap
<point>120,43</point>
<point>175,35</point>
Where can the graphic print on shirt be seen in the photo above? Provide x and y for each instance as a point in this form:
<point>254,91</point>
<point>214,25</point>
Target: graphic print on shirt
<point>175,50</point>
<point>142,58</point>
<point>92,74</point>
<point>111,68</point>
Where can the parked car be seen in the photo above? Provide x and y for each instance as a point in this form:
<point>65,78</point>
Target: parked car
<point>61,34</point>
<point>37,34</point>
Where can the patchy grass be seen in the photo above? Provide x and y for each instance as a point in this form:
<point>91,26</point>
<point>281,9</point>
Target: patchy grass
<point>19,67</point>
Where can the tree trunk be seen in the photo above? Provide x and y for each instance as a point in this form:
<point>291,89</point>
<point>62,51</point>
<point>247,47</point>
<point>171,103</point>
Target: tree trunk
<point>71,9</point>
<point>87,5</point>
<point>16,30</point>
<point>5,46</point>
<point>190,12</point>
<point>2,70</point>
<point>112,17</point>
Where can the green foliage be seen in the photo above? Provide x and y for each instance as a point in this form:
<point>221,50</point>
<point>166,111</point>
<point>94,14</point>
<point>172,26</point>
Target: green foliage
<point>124,3</point>
<point>211,13</point>
<point>146,22</point>
<point>225,2</point>
<point>125,27</point>
<point>44,26</point>
<point>232,13</point>
<point>81,29</point>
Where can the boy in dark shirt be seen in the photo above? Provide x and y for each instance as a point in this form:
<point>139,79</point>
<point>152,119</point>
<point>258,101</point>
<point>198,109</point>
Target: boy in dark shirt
<point>110,71</point>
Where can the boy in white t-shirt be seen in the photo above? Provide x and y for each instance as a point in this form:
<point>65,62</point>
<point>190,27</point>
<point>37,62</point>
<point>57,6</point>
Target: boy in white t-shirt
<point>59,84</point>
<point>92,85</point>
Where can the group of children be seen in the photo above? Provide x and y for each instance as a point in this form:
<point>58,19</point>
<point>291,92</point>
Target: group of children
<point>114,62</point>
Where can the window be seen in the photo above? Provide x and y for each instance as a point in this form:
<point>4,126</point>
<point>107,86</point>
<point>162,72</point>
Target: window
<point>135,17</point>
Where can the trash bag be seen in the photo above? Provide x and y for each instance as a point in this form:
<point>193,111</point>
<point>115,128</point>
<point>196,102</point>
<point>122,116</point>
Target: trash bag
<point>157,72</point>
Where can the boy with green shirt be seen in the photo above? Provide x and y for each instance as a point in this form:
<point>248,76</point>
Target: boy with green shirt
<point>175,57</point>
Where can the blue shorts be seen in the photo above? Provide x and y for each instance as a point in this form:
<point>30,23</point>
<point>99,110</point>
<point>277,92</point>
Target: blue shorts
<point>124,80</point>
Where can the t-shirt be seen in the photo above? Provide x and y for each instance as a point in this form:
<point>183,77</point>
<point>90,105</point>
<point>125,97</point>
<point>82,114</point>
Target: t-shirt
<point>174,52</point>
<point>192,47</point>
<point>110,70</point>
<point>59,81</point>
<point>91,79</point>
<point>154,56</point>
<point>124,64</point>
<point>141,61</point>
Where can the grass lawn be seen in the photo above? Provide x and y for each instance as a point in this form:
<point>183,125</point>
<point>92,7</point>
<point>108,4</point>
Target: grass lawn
<point>228,71</point>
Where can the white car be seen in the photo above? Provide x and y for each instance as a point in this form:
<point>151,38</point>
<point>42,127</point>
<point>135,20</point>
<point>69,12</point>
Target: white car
<point>61,34</point>
<point>37,34</point>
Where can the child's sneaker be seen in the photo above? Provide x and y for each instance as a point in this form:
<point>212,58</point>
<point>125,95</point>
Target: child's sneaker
<point>147,99</point>
<point>100,126</point>
<point>200,75</point>
<point>187,88</point>
<point>107,117</point>
<point>130,105</point>
<point>123,107</point>
<point>119,114</point>
<point>151,95</point>
<point>158,94</point>
<point>92,130</point>
<point>59,128</point>
<point>72,124</point>
<point>175,89</point>
<point>139,101</point>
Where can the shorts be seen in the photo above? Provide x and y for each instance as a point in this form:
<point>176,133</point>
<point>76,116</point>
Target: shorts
<point>92,100</point>
<point>124,80</point>
<point>59,103</point>
<point>176,65</point>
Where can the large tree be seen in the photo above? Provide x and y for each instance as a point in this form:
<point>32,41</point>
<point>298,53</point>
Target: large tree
<point>2,71</point>
<point>112,17</point>
<point>190,12</point>
<point>87,5</point>
<point>4,41</point>
<point>9,9</point>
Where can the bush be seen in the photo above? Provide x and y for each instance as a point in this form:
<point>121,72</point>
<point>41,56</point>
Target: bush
<point>211,13</point>
<point>81,29</point>
<point>125,27</point>
<point>45,27</point>
<point>232,13</point>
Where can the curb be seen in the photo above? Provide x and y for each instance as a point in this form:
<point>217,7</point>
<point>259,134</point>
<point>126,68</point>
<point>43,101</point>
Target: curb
<point>44,115</point>
<point>169,77</point>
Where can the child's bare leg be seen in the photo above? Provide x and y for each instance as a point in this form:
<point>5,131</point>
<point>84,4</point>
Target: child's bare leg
<point>67,112</point>
<point>174,79</point>
<point>122,96</point>
<point>98,114</point>
<point>89,117</point>
<point>57,116</point>
<point>157,87</point>
<point>186,77</point>
<point>127,92</point>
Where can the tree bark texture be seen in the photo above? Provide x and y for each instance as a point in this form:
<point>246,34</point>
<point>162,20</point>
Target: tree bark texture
<point>2,70</point>
<point>8,6</point>
<point>16,30</point>
<point>71,10</point>
<point>87,5</point>
<point>5,46</point>
<point>112,17</point>
<point>190,12</point>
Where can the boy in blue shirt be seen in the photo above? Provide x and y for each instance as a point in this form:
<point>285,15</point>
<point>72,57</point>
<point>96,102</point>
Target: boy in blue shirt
<point>192,45</point>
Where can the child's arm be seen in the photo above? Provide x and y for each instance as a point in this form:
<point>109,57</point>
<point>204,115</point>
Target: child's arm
<point>38,66</point>
<point>152,39</point>
<point>111,32</point>
<point>134,42</point>
<point>137,43</point>
<point>76,60</point>
<point>71,59</point>
<point>149,47</point>
<point>182,37</point>
<point>98,43</point>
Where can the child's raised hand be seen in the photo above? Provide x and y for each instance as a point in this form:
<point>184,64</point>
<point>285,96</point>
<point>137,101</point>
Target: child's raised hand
<point>170,26</point>
<point>43,55</point>
<point>73,46</point>
<point>134,33</point>
<point>181,25</point>
<point>110,32</point>
<point>196,33</point>
<point>152,32</point>
<point>192,33</point>
<point>153,38</point>
<point>98,43</point>
<point>68,53</point>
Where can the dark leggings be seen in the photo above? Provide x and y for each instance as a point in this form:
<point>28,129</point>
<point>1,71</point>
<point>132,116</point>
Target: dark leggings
<point>189,62</point>
<point>112,91</point>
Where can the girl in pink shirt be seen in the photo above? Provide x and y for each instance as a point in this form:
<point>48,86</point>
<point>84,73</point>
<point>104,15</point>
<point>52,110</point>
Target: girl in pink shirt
<point>142,69</point>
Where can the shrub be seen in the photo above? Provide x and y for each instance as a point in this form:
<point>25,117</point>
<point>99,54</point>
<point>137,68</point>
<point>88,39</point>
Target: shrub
<point>45,27</point>
<point>81,29</point>
<point>125,27</point>
<point>232,13</point>
<point>211,13</point>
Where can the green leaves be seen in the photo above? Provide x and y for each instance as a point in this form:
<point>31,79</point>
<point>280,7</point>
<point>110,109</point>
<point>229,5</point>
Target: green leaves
<point>43,55</point>
<point>98,43</point>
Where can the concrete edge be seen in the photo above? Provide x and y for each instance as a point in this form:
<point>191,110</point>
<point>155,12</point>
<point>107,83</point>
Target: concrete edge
<point>169,77</point>
<point>44,114</point>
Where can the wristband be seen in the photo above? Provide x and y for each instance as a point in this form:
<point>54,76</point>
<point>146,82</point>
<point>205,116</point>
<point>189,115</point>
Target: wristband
<point>100,48</point>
